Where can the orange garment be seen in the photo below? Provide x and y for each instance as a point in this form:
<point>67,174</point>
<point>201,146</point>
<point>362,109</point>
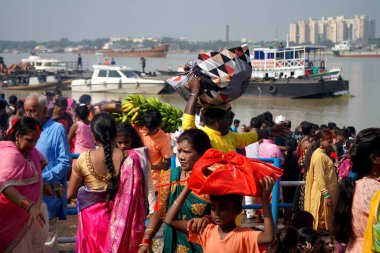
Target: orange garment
<point>159,149</point>
<point>241,239</point>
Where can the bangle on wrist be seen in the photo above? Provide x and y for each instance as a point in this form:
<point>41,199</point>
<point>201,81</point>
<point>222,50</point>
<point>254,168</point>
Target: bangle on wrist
<point>192,94</point>
<point>24,203</point>
<point>30,206</point>
<point>149,230</point>
<point>148,242</point>
<point>326,194</point>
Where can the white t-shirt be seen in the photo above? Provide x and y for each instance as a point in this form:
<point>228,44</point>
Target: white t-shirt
<point>252,150</point>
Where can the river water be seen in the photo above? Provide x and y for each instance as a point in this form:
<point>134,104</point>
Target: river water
<point>361,109</point>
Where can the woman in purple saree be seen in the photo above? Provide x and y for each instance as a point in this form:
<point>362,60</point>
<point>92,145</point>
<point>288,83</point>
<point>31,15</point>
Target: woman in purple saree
<point>112,202</point>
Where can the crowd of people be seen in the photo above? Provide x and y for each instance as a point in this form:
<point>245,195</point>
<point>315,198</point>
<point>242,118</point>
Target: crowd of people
<point>125,188</point>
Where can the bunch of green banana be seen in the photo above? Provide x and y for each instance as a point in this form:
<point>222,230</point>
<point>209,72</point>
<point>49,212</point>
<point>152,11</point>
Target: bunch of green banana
<point>134,106</point>
<point>171,117</point>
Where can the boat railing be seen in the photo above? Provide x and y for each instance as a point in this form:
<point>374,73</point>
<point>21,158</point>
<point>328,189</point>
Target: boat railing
<point>278,64</point>
<point>73,65</point>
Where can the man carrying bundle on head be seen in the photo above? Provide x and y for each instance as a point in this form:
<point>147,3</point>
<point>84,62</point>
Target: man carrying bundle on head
<point>217,123</point>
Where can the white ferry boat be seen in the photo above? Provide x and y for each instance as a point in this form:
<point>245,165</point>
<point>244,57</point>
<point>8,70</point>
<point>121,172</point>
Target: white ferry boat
<point>117,79</point>
<point>48,65</point>
<point>344,46</point>
<point>295,72</point>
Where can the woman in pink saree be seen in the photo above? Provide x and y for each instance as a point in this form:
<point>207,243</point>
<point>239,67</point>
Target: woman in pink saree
<point>21,217</point>
<point>112,202</point>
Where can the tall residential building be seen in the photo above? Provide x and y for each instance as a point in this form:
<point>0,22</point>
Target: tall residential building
<point>293,33</point>
<point>304,32</point>
<point>313,28</point>
<point>335,29</point>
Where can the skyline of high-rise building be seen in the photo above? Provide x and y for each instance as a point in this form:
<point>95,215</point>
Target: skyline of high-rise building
<point>335,29</point>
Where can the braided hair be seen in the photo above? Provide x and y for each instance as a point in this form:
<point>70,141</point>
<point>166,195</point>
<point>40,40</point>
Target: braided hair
<point>366,144</point>
<point>103,127</point>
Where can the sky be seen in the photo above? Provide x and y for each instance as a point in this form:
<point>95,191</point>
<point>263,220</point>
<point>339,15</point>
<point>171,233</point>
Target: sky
<point>196,20</point>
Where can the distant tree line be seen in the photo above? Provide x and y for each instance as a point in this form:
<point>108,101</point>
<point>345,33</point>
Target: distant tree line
<point>175,44</point>
<point>28,46</point>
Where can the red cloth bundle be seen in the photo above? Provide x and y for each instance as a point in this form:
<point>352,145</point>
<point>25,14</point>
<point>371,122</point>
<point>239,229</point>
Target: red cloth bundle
<point>219,173</point>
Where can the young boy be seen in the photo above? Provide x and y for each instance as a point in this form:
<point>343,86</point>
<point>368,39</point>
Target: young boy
<point>223,235</point>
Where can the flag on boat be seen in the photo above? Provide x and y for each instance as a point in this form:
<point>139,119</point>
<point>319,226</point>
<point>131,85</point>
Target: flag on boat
<point>224,75</point>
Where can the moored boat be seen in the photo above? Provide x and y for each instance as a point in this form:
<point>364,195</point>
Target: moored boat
<point>294,72</point>
<point>31,82</point>
<point>297,88</point>
<point>358,53</point>
<point>158,51</point>
<point>117,79</point>
<point>345,49</point>
<point>171,72</point>
<point>50,65</point>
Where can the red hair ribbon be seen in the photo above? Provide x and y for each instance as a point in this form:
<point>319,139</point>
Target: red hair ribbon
<point>13,123</point>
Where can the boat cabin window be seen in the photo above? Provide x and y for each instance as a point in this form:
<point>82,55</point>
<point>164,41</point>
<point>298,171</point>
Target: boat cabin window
<point>102,73</point>
<point>114,74</point>
<point>270,56</point>
<point>279,55</point>
<point>39,64</point>
<point>130,74</point>
<point>259,55</point>
<point>289,55</point>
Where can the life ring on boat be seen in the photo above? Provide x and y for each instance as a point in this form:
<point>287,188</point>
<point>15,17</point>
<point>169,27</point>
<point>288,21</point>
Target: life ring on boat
<point>322,65</point>
<point>272,89</point>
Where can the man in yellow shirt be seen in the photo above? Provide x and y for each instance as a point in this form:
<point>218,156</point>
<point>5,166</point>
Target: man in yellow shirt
<point>217,124</point>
